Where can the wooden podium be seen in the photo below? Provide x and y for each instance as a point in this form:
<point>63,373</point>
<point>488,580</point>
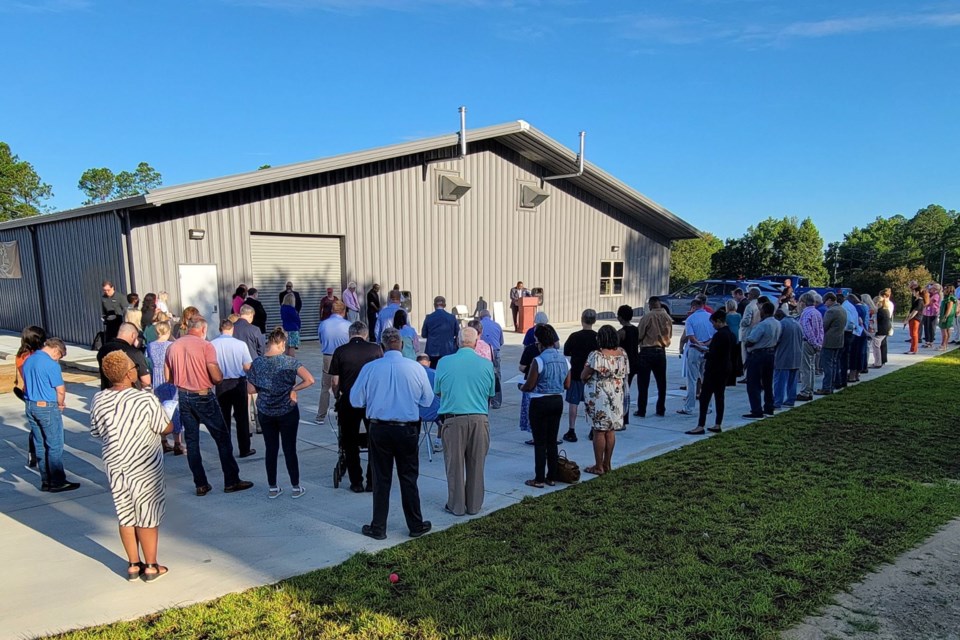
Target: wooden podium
<point>528,309</point>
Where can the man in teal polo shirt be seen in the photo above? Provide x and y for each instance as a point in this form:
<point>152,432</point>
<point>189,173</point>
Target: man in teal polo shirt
<point>465,384</point>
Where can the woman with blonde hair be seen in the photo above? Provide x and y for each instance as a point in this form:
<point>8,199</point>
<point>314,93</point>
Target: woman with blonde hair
<point>150,331</point>
<point>164,390</point>
<point>884,328</point>
<point>181,328</point>
<point>130,422</point>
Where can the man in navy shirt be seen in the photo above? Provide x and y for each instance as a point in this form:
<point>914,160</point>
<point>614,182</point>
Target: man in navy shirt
<point>440,330</point>
<point>46,398</point>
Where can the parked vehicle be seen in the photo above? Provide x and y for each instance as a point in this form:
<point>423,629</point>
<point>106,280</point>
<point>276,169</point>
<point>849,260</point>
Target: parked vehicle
<point>801,285</point>
<point>717,292</point>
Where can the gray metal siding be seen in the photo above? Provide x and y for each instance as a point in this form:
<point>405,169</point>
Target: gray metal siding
<point>76,256</point>
<point>20,298</point>
<point>395,232</point>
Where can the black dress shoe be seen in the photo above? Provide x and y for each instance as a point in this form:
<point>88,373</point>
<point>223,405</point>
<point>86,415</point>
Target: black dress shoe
<point>369,487</point>
<point>637,414</point>
<point>369,531</point>
<point>570,436</point>
<point>753,416</point>
<point>204,490</point>
<point>44,487</point>
<point>357,488</point>
<point>247,454</point>
<point>66,486</point>
<point>768,413</point>
<point>424,528</point>
<point>242,485</point>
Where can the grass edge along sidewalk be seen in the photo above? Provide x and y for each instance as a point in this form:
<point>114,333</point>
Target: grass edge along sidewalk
<point>738,536</point>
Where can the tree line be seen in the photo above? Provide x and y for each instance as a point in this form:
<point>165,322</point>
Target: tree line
<point>887,252</point>
<point>23,193</point>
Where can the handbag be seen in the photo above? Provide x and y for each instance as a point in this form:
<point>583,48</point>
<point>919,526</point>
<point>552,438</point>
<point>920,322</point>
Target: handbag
<point>567,470</point>
<point>17,388</point>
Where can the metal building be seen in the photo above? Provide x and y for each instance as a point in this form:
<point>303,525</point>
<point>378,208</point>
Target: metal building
<point>434,216</point>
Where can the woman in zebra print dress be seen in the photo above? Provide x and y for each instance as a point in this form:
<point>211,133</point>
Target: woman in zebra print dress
<point>130,423</point>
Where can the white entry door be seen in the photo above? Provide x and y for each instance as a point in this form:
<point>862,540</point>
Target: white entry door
<point>199,288</point>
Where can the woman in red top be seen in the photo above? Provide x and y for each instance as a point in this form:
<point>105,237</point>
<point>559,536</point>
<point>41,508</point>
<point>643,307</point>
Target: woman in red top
<point>31,339</point>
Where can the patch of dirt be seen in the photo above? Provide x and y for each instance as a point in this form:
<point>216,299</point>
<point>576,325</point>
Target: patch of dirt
<point>916,597</point>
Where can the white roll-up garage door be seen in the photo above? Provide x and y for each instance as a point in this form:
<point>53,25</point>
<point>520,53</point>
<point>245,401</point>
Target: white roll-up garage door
<point>312,263</point>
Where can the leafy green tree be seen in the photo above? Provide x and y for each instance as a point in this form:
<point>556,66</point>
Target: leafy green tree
<point>690,260</point>
<point>137,182</point>
<point>98,184</point>
<point>22,193</point>
<point>263,166</point>
<point>781,246</point>
<point>897,279</point>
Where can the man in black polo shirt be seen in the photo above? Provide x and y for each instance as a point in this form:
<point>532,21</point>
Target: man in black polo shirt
<point>345,366</point>
<point>259,313</point>
<point>126,339</point>
<point>112,308</point>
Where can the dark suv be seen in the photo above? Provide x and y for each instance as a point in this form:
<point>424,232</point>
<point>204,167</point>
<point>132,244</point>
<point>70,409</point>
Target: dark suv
<point>717,292</point>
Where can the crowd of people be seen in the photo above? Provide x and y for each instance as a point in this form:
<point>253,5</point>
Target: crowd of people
<point>162,377</point>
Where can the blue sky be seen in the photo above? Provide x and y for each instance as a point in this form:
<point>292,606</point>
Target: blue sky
<point>724,111</point>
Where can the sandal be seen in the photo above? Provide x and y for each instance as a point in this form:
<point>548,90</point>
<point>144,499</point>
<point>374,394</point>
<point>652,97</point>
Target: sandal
<point>536,484</point>
<point>133,576</point>
<point>595,470</point>
<point>179,450</point>
<point>150,577</point>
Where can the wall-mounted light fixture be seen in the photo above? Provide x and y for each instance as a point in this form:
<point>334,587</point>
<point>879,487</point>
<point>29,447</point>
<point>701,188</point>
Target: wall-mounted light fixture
<point>615,248</point>
<point>196,234</point>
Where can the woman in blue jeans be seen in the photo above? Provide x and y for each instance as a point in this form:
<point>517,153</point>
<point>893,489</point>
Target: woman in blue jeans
<point>545,382</point>
<point>274,378</point>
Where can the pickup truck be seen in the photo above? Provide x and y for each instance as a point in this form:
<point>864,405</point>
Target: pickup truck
<point>801,285</point>
<point>677,303</point>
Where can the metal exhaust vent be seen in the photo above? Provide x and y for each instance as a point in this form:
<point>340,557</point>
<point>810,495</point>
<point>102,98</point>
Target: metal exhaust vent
<point>531,197</point>
<point>452,188</point>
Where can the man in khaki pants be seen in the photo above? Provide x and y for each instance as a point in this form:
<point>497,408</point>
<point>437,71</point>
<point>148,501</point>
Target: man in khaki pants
<point>465,384</point>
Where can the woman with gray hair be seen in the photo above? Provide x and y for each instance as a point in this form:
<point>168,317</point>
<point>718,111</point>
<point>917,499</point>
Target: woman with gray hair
<point>130,422</point>
<point>539,318</point>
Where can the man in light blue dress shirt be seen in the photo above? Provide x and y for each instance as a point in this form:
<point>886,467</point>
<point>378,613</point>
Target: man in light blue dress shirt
<point>385,317</point>
<point>392,389</point>
<point>696,340</point>
<point>233,357</point>
<point>333,332</point>
<point>493,336</point>
<point>465,383</point>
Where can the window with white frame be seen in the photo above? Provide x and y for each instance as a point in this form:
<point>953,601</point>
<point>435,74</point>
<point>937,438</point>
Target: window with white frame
<point>611,277</point>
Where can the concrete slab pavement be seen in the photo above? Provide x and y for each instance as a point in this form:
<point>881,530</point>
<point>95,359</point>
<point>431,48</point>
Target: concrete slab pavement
<point>64,565</point>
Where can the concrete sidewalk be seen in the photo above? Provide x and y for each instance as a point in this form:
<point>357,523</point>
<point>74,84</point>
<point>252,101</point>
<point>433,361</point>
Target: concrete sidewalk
<point>64,567</point>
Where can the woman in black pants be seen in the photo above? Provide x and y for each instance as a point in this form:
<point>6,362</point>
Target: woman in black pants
<point>717,368</point>
<point>545,383</point>
<point>273,377</point>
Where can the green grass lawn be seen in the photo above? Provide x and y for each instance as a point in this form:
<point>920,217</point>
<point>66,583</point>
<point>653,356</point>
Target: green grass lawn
<point>738,536</point>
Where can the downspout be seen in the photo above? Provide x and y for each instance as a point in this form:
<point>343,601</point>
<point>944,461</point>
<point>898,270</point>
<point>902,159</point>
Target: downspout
<point>579,163</point>
<point>35,244</point>
<point>463,132</point>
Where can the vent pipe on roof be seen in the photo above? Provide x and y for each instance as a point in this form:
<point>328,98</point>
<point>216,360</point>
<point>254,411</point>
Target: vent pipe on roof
<point>463,132</point>
<point>579,163</point>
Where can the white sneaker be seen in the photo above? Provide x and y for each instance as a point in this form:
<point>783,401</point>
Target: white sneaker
<point>275,492</point>
<point>296,492</point>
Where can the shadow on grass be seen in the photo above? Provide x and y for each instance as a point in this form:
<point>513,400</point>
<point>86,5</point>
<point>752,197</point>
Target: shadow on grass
<point>738,536</point>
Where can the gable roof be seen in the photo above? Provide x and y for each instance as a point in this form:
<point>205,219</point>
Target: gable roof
<point>518,135</point>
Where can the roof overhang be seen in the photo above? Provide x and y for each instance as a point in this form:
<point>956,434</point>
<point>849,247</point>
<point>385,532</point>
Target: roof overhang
<point>518,136</point>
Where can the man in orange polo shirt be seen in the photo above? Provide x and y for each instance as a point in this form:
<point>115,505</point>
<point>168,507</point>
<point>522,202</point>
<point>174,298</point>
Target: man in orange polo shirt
<point>191,364</point>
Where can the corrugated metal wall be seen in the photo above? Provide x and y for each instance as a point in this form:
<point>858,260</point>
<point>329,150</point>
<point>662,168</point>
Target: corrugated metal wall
<point>395,232</point>
<point>20,298</point>
<point>76,256</point>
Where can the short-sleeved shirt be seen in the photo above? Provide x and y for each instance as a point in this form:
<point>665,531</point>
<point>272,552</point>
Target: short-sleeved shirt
<point>188,358</point>
<point>129,423</point>
<point>465,382</point>
<point>42,376</point>
<point>578,348</point>
<point>157,352</point>
<point>349,359</point>
<point>232,355</point>
<point>116,344</point>
<point>274,377</point>
<point>333,332</point>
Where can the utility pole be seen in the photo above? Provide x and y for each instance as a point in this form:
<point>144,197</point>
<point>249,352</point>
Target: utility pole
<point>943,263</point>
<point>836,264</point>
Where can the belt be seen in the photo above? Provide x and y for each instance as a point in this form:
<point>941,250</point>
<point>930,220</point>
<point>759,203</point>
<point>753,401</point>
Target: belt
<point>447,416</point>
<point>202,392</point>
<point>400,423</point>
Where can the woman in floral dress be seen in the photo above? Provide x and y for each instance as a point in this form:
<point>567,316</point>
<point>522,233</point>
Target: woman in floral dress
<point>605,376</point>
